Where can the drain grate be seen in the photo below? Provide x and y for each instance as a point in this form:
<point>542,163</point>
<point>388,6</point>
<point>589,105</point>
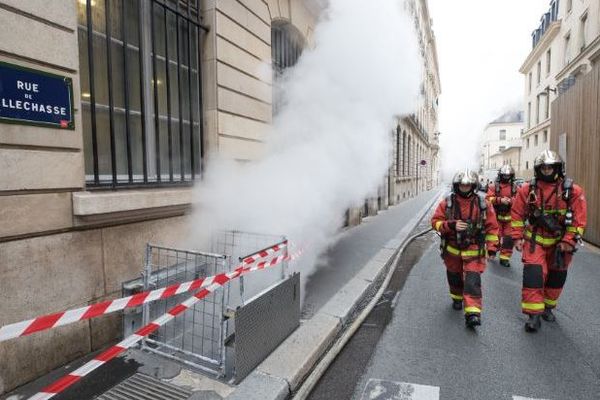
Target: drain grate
<point>144,387</point>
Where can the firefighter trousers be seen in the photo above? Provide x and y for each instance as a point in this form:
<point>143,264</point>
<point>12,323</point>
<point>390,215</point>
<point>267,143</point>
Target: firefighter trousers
<point>543,280</point>
<point>464,279</point>
<point>506,244</point>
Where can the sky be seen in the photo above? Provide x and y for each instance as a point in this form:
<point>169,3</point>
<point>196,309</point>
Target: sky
<point>481,45</point>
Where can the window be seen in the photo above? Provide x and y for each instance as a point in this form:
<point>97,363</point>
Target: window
<point>537,110</point>
<point>529,115</point>
<point>535,140</point>
<point>545,137</point>
<point>567,58</point>
<point>287,44</point>
<point>539,72</point>
<point>548,61</point>
<point>529,84</point>
<point>502,148</point>
<point>569,5</point>
<point>526,164</point>
<point>502,134</point>
<point>408,166</point>
<point>547,104</point>
<point>527,143</point>
<point>140,91</point>
<point>398,132</point>
<point>582,32</point>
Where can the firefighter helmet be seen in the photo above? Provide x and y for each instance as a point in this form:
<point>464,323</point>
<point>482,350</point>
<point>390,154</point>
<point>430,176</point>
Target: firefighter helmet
<point>465,177</point>
<point>549,158</point>
<point>506,173</point>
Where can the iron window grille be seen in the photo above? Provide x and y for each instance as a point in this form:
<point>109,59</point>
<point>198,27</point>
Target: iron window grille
<point>142,120</point>
<point>286,47</point>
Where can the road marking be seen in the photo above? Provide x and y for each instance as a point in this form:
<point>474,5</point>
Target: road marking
<point>378,389</point>
<point>525,398</point>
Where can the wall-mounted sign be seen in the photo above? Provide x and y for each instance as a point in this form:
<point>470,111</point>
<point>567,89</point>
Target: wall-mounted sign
<point>32,97</point>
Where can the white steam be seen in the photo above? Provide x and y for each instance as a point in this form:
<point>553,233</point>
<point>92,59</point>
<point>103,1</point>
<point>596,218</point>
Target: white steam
<point>330,143</point>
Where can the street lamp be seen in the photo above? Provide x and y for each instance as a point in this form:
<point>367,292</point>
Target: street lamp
<point>421,163</point>
<point>547,91</point>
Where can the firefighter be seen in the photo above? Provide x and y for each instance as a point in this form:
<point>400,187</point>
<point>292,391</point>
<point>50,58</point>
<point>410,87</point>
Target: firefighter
<point>483,186</point>
<point>501,194</point>
<point>467,227</point>
<point>548,218</point>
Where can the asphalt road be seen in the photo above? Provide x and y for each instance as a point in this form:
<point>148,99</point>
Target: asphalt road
<point>425,352</point>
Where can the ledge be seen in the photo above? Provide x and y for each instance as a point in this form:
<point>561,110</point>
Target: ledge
<point>87,204</point>
<point>572,67</point>
<point>542,45</point>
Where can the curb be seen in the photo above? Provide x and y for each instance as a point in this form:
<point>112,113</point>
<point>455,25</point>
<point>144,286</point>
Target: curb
<point>283,372</point>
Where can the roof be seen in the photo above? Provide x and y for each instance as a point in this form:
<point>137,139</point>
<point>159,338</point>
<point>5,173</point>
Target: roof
<point>509,117</point>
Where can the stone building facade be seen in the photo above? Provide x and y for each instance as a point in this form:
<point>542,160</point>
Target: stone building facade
<point>415,142</point>
<point>77,206</point>
<point>564,47</point>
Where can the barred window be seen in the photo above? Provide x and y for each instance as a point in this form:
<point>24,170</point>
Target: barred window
<point>404,154</point>
<point>398,146</point>
<point>287,44</point>
<point>141,120</point>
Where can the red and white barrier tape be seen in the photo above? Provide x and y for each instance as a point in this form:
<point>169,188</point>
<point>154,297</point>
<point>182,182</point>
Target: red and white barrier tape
<point>55,320</point>
<point>75,376</point>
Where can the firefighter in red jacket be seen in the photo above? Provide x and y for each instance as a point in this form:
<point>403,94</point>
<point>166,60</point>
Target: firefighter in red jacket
<point>501,195</point>
<point>548,218</point>
<point>467,227</point>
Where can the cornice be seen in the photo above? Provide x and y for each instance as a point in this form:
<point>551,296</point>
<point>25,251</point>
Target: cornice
<point>588,49</point>
<point>541,46</point>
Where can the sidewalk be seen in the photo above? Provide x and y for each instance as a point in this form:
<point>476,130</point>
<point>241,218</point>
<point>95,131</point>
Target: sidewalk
<point>356,247</point>
<point>358,260</point>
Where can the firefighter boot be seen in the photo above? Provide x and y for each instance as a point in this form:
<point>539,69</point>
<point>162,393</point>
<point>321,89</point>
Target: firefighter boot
<point>505,263</point>
<point>548,315</point>
<point>457,304</point>
<point>472,320</point>
<point>533,324</point>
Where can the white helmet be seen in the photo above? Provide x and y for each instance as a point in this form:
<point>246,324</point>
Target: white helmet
<point>465,177</point>
<point>551,158</point>
<point>506,173</point>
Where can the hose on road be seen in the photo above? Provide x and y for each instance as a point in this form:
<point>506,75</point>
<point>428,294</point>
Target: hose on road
<point>310,382</point>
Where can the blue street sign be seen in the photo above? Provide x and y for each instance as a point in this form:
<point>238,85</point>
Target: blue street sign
<point>32,97</point>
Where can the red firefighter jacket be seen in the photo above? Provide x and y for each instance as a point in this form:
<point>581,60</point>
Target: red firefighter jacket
<point>549,200</point>
<point>465,209</point>
<point>506,190</point>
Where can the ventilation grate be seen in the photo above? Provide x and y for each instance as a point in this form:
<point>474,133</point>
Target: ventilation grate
<point>144,387</point>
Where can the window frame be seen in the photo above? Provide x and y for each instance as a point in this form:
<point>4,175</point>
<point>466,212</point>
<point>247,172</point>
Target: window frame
<point>187,59</point>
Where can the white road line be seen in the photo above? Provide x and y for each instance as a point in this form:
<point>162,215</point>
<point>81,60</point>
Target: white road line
<point>525,398</point>
<point>378,389</point>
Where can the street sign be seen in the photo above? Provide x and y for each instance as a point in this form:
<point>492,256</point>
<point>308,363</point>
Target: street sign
<point>33,97</point>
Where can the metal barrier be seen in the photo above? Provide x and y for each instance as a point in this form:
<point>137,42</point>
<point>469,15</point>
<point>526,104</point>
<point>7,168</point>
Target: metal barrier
<point>197,337</point>
<point>239,245</point>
